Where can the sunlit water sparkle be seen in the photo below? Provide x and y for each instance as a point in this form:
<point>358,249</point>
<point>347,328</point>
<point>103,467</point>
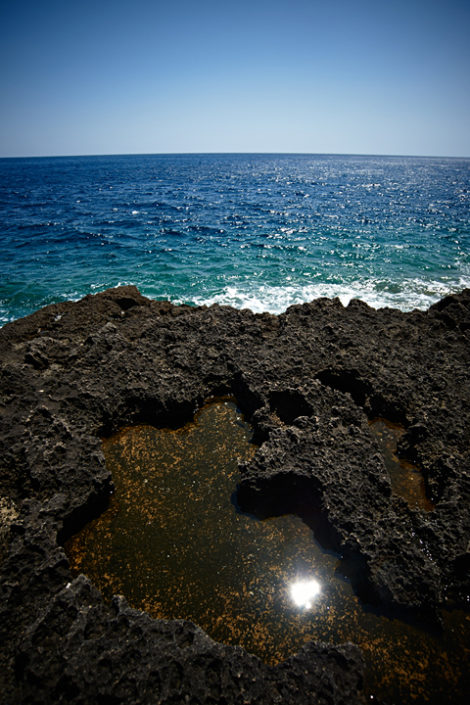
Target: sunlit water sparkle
<point>256,231</point>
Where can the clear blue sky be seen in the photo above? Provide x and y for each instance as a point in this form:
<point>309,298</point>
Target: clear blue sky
<point>357,76</point>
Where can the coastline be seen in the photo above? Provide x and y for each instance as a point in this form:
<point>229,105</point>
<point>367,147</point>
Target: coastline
<point>308,380</point>
<point>257,232</point>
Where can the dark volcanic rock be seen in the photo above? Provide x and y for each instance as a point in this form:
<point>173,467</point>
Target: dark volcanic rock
<point>308,380</point>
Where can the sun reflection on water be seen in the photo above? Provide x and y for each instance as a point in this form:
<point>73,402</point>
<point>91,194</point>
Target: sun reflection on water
<point>304,592</point>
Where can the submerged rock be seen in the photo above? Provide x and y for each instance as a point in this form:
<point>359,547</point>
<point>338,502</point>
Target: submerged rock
<point>308,380</point>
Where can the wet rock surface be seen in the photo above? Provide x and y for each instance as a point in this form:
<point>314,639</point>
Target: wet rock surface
<point>308,381</point>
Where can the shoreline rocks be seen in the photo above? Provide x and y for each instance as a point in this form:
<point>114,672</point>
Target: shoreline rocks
<point>308,381</point>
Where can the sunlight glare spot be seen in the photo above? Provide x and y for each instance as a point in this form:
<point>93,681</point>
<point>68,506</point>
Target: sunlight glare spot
<point>303,592</point>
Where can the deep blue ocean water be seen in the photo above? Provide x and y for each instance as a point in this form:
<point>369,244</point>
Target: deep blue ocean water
<point>256,231</point>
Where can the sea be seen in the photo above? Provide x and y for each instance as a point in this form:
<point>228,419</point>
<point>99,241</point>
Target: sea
<point>257,231</point>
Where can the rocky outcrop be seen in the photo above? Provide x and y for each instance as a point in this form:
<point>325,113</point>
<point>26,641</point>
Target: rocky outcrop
<point>308,380</point>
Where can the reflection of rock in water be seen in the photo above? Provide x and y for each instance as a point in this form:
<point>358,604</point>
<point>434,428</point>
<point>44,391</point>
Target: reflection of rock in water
<point>407,480</point>
<point>174,545</point>
<point>8,514</point>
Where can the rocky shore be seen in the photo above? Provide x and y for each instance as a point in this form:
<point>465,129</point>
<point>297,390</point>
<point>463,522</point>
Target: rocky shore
<point>308,381</point>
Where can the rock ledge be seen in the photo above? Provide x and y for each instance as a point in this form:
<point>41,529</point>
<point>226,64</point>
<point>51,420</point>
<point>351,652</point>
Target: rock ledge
<point>308,380</point>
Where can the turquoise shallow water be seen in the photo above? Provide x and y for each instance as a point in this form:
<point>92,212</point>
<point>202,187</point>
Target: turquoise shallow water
<point>257,231</point>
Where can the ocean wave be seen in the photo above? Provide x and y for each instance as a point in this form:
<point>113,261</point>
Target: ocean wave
<point>236,230</point>
<point>405,296</point>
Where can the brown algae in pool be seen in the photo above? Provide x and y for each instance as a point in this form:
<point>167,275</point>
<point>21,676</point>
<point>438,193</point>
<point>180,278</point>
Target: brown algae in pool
<point>406,479</point>
<point>173,543</point>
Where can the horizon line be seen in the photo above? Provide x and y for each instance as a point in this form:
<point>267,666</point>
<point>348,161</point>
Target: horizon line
<point>240,153</point>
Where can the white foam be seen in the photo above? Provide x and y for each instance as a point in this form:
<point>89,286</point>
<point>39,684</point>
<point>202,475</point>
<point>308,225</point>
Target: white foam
<point>410,294</point>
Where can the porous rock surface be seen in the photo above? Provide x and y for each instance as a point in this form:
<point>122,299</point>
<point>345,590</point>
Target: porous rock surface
<point>308,380</point>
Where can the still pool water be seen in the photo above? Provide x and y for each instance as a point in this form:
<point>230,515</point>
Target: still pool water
<point>406,478</point>
<point>173,542</point>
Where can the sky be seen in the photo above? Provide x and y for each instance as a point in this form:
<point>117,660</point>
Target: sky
<point>337,76</point>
